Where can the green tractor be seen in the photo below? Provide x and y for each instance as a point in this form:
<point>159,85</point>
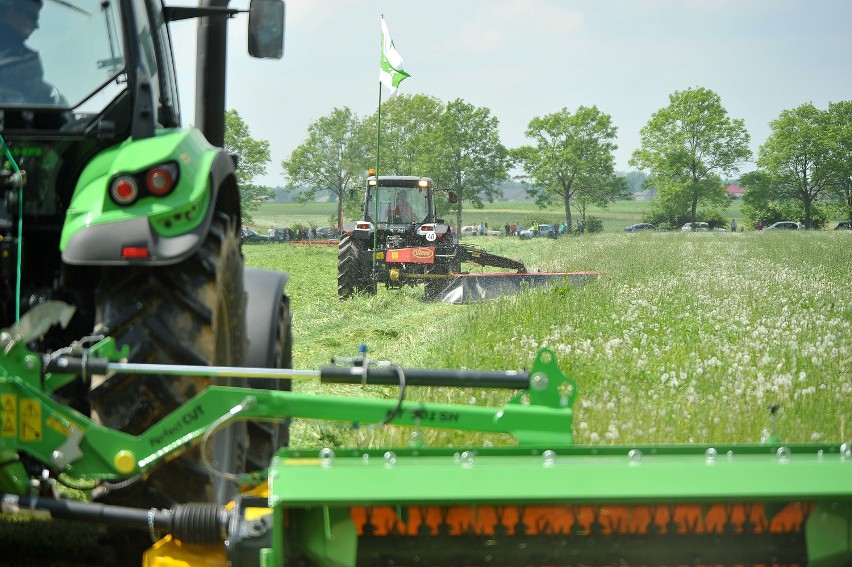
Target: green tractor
<point>400,241</point>
<point>122,223</point>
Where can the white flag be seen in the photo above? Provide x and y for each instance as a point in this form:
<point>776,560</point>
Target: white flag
<point>390,69</point>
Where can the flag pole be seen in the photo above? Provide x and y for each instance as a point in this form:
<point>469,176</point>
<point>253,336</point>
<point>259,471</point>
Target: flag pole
<point>378,149</point>
<point>391,74</point>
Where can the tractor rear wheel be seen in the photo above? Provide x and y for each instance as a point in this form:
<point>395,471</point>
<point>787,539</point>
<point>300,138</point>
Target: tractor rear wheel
<point>189,313</point>
<point>354,269</point>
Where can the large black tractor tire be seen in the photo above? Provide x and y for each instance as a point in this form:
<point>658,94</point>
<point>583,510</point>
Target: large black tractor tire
<point>269,323</point>
<point>189,313</point>
<point>354,269</point>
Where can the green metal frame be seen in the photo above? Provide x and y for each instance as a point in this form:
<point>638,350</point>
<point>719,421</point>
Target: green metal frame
<point>316,491</point>
<point>72,443</point>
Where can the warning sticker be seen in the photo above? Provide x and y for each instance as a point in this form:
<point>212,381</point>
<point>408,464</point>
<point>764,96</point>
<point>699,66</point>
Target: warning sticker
<point>8,415</point>
<point>30,420</point>
<point>8,427</point>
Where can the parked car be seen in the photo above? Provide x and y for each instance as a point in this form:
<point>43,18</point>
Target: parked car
<point>282,235</point>
<point>784,225</point>
<point>700,227</point>
<point>544,230</point>
<point>640,227</point>
<point>548,230</point>
<point>326,233</point>
<point>249,236</point>
<point>469,230</point>
<point>843,225</point>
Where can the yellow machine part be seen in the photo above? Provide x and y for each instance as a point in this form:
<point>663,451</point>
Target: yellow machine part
<point>169,552</point>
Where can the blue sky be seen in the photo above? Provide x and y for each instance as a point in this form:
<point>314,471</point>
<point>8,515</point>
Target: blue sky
<point>528,58</point>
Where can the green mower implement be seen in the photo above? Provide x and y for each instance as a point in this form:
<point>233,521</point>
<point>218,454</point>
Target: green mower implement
<point>538,500</point>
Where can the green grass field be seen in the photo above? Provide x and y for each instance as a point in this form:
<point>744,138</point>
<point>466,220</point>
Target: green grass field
<point>685,337</point>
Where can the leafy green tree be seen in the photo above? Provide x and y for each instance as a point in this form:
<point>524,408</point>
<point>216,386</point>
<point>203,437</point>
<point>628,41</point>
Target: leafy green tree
<point>468,158</point>
<point>252,157</point>
<point>797,153</point>
<point>671,209</point>
<point>765,200</point>
<point>330,159</point>
<point>762,201</point>
<point>688,146</point>
<point>408,124</point>
<point>572,156</point>
<point>600,192</point>
<point>840,154</point>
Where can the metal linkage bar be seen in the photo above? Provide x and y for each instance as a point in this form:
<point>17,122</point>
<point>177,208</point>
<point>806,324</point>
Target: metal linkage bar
<point>379,375</point>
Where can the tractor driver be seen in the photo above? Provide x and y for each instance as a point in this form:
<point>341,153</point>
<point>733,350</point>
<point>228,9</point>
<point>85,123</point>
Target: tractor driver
<point>21,72</point>
<point>403,211</point>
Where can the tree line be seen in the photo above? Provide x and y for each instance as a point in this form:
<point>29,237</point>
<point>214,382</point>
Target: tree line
<point>688,149</point>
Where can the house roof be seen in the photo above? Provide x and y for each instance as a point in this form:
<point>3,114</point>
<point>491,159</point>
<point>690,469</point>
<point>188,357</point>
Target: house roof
<point>734,190</point>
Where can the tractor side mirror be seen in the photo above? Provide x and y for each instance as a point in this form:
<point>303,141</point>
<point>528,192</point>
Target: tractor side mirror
<point>266,29</point>
<point>453,198</point>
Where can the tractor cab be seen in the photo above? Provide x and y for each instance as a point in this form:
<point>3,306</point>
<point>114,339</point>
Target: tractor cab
<point>399,202</point>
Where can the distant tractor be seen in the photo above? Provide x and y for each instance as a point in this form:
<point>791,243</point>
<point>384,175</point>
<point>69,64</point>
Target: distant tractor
<point>400,241</point>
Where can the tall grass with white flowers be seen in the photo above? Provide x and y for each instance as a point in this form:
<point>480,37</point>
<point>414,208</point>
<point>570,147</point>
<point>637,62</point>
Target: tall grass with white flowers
<point>682,338</point>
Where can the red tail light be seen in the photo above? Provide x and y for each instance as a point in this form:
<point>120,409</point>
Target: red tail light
<point>134,252</point>
<point>124,190</point>
<point>158,181</point>
<point>161,180</point>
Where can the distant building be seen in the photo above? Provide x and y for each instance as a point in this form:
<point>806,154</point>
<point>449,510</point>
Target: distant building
<point>735,191</point>
<point>646,195</point>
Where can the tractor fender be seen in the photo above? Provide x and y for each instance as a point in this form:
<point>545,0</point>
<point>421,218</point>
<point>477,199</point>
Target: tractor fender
<point>441,228</point>
<point>265,290</point>
<point>151,231</point>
